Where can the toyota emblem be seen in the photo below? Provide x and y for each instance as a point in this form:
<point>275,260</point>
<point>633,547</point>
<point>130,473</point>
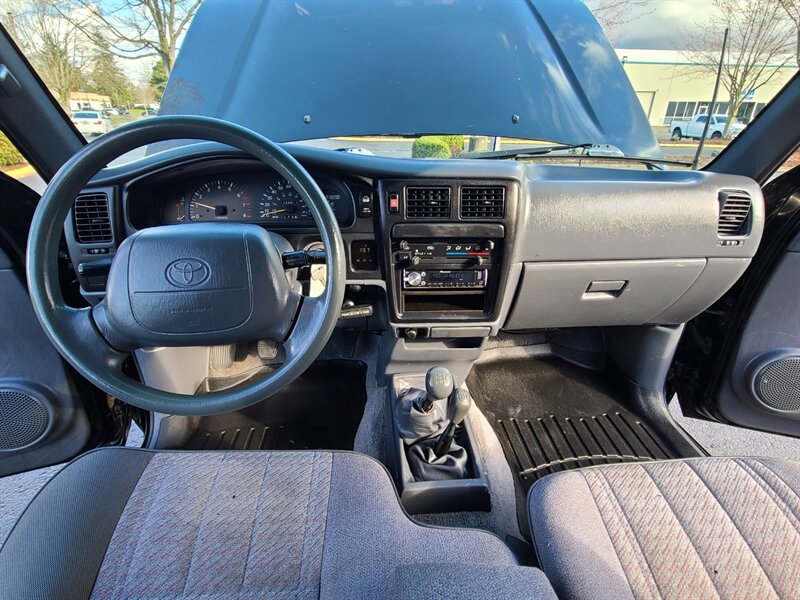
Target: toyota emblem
<point>187,272</point>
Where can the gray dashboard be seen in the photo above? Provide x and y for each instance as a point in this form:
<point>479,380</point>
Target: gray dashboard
<point>575,245</point>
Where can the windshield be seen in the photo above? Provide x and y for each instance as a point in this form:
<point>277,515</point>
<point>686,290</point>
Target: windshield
<point>427,80</point>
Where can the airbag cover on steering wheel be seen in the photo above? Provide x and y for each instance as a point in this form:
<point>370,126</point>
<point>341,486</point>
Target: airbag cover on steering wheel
<point>169,286</point>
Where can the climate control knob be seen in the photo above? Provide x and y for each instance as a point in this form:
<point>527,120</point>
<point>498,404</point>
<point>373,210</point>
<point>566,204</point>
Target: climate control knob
<point>413,278</point>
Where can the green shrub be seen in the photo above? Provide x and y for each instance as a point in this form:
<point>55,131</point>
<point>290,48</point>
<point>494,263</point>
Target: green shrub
<point>430,147</point>
<point>455,143</point>
<point>9,155</point>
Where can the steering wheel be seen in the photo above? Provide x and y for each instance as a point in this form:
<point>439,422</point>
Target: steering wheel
<point>184,285</point>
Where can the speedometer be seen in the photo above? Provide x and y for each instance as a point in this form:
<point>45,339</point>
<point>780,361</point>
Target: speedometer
<point>220,200</point>
<point>280,202</point>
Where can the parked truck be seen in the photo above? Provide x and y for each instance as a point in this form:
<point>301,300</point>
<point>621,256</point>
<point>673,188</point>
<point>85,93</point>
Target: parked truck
<point>693,128</point>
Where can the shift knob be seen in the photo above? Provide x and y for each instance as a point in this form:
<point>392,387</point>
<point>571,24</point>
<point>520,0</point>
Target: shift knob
<point>459,405</point>
<point>438,383</point>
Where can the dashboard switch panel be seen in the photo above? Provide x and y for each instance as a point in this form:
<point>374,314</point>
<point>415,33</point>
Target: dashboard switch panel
<point>363,255</point>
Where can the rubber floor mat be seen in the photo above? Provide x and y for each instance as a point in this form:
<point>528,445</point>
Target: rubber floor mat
<point>554,443</point>
<point>552,416</point>
<point>320,410</point>
<point>258,437</point>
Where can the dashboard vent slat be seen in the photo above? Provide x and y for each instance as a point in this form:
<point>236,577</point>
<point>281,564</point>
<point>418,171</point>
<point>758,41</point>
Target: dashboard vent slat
<point>92,220</point>
<point>483,202</point>
<point>428,203</point>
<point>734,213</point>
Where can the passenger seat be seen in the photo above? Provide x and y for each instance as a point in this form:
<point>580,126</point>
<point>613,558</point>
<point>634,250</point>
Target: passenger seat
<point>696,528</point>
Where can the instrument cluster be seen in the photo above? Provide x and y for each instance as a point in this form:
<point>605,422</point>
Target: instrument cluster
<point>247,197</point>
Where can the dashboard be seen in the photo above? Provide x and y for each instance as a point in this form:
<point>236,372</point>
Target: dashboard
<point>454,248</point>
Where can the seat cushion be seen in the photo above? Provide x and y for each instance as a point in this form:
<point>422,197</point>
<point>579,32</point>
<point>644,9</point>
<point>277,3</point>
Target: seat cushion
<point>695,528</point>
<point>439,581</point>
<point>122,523</point>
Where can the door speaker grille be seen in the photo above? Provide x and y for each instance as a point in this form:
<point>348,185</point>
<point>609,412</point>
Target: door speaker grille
<point>778,384</point>
<point>23,419</point>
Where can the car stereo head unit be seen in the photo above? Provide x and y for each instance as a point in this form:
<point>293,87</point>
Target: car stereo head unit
<point>444,279</point>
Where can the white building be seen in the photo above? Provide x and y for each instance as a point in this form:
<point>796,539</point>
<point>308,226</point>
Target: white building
<point>670,86</point>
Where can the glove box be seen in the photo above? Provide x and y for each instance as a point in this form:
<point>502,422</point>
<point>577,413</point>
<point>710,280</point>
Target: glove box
<point>594,293</point>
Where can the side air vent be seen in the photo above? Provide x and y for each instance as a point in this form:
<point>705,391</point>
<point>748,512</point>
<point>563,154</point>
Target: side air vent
<point>734,210</point>
<point>483,202</point>
<point>91,218</point>
<point>428,203</point>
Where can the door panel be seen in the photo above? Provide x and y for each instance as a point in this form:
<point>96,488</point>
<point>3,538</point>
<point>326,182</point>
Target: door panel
<point>40,423</point>
<point>48,413</point>
<point>761,388</point>
<point>739,361</point>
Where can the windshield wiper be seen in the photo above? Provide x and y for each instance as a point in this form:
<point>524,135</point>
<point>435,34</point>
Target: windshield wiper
<point>526,151</point>
<point>577,151</point>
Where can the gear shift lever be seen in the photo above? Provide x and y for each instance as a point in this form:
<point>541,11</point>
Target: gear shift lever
<point>457,409</point>
<point>438,385</point>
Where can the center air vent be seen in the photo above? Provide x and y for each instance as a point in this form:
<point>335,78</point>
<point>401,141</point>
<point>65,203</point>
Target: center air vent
<point>483,202</point>
<point>734,210</point>
<point>91,218</point>
<point>428,203</point>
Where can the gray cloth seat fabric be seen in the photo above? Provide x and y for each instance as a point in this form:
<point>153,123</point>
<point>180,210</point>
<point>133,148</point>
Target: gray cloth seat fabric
<point>696,528</point>
<point>133,524</point>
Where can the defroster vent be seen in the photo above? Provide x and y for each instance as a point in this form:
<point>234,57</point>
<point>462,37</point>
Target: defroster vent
<point>428,203</point>
<point>734,210</point>
<point>91,218</point>
<point>483,202</point>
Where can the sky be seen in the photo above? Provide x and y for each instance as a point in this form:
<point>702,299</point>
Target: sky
<point>662,24</point>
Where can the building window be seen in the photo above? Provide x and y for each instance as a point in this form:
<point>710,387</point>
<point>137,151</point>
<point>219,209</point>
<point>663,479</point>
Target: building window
<point>687,110</point>
<point>679,110</point>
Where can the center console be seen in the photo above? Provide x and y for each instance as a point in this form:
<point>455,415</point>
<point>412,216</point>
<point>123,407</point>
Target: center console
<point>436,462</point>
<point>437,276</point>
<point>446,244</point>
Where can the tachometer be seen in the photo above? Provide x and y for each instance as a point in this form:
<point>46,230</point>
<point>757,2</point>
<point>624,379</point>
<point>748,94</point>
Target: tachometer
<point>280,202</point>
<point>220,200</point>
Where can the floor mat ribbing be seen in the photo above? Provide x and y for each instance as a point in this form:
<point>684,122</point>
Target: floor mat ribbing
<point>258,437</point>
<point>319,410</point>
<point>555,442</point>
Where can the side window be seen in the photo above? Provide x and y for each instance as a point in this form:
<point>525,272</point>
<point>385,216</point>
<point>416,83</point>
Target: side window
<point>790,163</point>
<point>13,164</point>
<point>701,119</point>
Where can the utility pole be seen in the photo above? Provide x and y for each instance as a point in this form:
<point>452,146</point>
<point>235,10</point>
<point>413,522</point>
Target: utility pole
<point>710,111</point>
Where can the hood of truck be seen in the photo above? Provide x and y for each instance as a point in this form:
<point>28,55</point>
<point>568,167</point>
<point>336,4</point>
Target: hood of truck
<point>538,70</point>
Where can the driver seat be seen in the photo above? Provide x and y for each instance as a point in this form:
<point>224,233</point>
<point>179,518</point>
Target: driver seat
<point>124,523</point>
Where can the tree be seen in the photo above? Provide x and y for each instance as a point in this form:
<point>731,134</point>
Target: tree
<point>139,28</point>
<point>145,94</point>
<point>759,46</point>
<point>57,48</point>
<point>158,79</point>
<point>611,14</point>
<point>108,79</point>
<point>792,10</point>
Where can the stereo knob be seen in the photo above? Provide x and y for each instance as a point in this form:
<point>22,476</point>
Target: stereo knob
<point>413,278</point>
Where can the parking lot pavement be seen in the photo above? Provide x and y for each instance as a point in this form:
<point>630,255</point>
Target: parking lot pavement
<point>726,440</point>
